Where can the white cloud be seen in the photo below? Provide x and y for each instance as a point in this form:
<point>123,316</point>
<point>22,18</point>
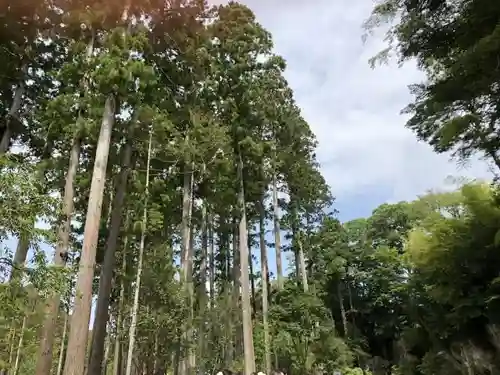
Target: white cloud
<point>354,110</point>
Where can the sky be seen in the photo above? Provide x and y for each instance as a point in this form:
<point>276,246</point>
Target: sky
<point>367,155</point>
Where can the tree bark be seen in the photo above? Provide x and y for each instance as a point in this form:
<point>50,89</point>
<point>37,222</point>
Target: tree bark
<point>108,266</point>
<point>135,307</point>
<point>235,329</point>
<point>78,334</point>
<point>187,264</point>
<point>12,114</point>
<point>12,345</point>
<point>277,234</point>
<point>245,281</point>
<point>265,298</point>
<point>118,353</point>
<point>19,347</point>
<point>107,349</point>
<point>302,262</point>
<point>44,361</point>
<point>20,256</point>
<point>203,296</point>
<point>252,279</point>
<point>211,255</point>
<point>63,344</point>
<point>191,358</point>
<point>342,308</point>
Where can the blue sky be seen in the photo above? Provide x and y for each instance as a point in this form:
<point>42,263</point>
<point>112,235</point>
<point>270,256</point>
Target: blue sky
<point>367,155</point>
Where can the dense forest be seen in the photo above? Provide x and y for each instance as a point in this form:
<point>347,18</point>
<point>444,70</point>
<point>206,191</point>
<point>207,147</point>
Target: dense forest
<point>152,160</point>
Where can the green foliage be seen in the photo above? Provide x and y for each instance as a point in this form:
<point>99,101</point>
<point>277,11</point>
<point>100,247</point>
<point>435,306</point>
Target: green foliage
<point>456,44</point>
<point>304,334</point>
<point>22,200</point>
<point>414,287</point>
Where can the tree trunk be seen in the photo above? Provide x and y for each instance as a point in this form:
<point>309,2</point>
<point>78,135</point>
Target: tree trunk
<point>302,263</point>
<point>342,308</point>
<point>20,255</point>
<point>265,300</point>
<point>12,345</point>
<point>235,328</point>
<point>191,332</point>
<point>203,287</point>
<point>277,234</point>
<point>252,279</point>
<point>225,288</point>
<point>13,112</point>
<point>19,347</point>
<point>78,334</point>
<point>107,349</point>
<point>245,293</point>
<point>351,306</point>
<point>187,264</point>
<point>211,260</point>
<point>135,307</point>
<point>63,344</point>
<point>44,361</point>
<point>118,354</point>
<point>108,266</point>
<point>155,354</point>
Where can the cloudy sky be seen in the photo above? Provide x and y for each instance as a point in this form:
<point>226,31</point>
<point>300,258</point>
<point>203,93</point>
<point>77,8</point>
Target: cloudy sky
<point>367,155</point>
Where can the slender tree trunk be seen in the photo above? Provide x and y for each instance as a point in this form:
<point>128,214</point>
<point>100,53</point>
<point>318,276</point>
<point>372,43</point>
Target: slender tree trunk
<point>135,307</point>
<point>13,113</point>
<point>245,281</point>
<point>252,279</point>
<point>265,298</point>
<point>12,345</point>
<point>187,265</point>
<point>236,347</point>
<point>351,311</point>
<point>19,347</point>
<point>191,363</point>
<point>118,355</point>
<point>78,334</point>
<point>225,287</point>
<point>63,344</point>
<point>108,266</point>
<point>277,234</point>
<point>342,308</point>
<point>107,349</point>
<point>211,260</point>
<point>44,361</point>
<point>155,354</point>
<point>176,360</point>
<point>302,262</point>
<point>203,296</point>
